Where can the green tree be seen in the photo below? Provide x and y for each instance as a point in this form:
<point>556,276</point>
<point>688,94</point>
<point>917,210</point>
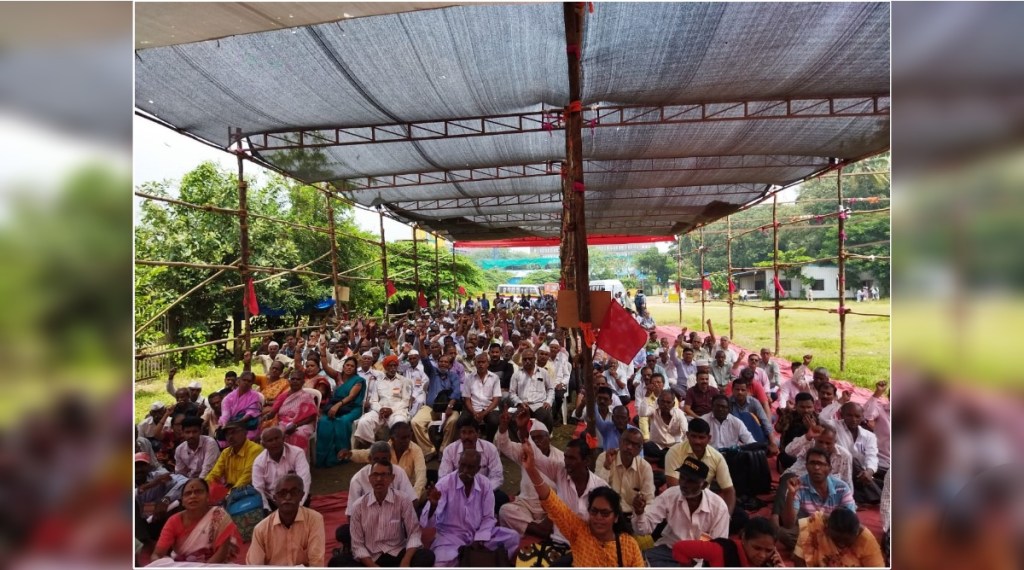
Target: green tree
<point>655,264</point>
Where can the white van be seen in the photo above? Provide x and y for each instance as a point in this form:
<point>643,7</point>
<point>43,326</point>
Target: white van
<point>612,285</point>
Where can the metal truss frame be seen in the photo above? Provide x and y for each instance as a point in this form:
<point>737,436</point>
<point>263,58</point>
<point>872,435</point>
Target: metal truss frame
<point>550,121</point>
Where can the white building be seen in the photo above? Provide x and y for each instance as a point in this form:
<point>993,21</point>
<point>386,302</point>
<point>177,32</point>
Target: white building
<point>826,282</point>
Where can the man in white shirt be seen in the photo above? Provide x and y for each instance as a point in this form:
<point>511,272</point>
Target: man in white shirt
<point>525,515</point>
<point>686,370</point>
<point>390,400</point>
<point>667,424</point>
<point>275,461</point>
<point>691,511</point>
<point>481,393</point>
<point>863,446</point>
<point>360,484</point>
<point>196,456</point>
<point>726,429</point>
<point>415,373</point>
<point>274,354</point>
<point>533,388</point>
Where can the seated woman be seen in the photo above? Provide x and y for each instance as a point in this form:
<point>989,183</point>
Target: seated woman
<point>603,540</point>
<point>754,548</point>
<point>296,412</point>
<point>837,541</point>
<point>314,369</point>
<point>201,533</point>
<point>334,432</point>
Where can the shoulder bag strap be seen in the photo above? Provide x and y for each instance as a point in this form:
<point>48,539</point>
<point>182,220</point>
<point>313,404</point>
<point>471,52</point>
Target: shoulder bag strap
<point>618,550</point>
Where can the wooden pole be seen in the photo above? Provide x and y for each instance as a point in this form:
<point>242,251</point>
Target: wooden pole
<point>703,292</point>
<point>243,232</point>
<point>252,268</point>
<point>775,263</point>
<point>383,260</point>
<point>573,193</point>
<point>728,269</point>
<point>842,272</point>
<point>679,275</point>
<point>416,263</point>
<point>184,296</point>
<point>437,269</point>
<point>455,283</point>
<point>334,256</point>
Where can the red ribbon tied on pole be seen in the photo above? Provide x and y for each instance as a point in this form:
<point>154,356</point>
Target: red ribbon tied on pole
<point>421,300</point>
<point>250,298</point>
<point>578,187</point>
<point>389,287</point>
<point>462,291</point>
<point>778,286</point>
<point>706,284</point>
<point>732,286</point>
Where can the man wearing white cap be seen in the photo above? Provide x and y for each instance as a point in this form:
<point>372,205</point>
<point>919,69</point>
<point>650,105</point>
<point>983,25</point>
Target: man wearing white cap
<point>525,515</point>
<point>413,370</point>
<point>274,353</point>
<point>152,427</point>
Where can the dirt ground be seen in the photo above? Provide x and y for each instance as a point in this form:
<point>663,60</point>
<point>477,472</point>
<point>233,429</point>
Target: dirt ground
<point>329,480</point>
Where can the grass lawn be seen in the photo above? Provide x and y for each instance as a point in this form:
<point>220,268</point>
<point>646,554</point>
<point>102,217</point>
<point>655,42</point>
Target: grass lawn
<point>800,332</point>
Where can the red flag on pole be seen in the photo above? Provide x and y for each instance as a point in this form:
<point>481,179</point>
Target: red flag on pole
<point>778,286</point>
<point>677,288</point>
<point>421,300</point>
<point>250,298</point>
<point>389,286</point>
<point>732,286</point>
<point>706,284</point>
<point>621,336</point>
<point>462,291</point>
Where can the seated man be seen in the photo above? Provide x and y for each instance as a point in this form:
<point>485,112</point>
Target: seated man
<point>817,491</point>
<point>384,528</point>
<point>689,510</point>
<point>461,508</point>
<point>698,398</point>
<point>607,434</point>
<point>390,400</point>
<point>793,423</point>
<point>155,490</point>
<point>749,410</point>
<point>525,514</point>
<point>196,456</point>
<point>745,457</point>
<point>534,388</point>
<point>627,472</point>
<point>863,446</point>
<point>696,445</point>
<point>277,460</point>
<point>667,424</point>
<point>360,483</point>
<point>758,384</point>
<point>481,393</point>
<point>404,453</point>
<point>292,535</point>
<point>444,397</point>
<point>836,540</point>
<point>490,462</point>
<point>649,389</point>
<point>234,466</point>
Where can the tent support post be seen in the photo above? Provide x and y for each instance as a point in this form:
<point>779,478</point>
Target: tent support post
<point>842,271</point>
<point>679,275</point>
<point>334,256</point>
<point>573,196</point>
<point>383,261</point>
<point>416,263</point>
<point>775,263</point>
<point>455,284</point>
<point>728,269</point>
<point>243,233</point>
<point>437,269</point>
<point>703,291</point>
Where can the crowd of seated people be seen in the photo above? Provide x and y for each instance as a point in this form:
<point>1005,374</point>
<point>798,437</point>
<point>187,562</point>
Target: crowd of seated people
<point>686,436</point>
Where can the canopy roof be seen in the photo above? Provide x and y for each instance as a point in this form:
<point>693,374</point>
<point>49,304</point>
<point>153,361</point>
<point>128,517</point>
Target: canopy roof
<point>451,117</point>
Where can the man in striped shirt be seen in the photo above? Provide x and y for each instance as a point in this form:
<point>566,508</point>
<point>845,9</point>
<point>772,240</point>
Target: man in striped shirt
<point>817,491</point>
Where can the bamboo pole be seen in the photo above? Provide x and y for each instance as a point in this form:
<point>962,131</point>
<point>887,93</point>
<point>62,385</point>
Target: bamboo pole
<point>204,207</point>
<point>357,268</point>
<point>383,260</point>
<point>775,263</point>
<point>842,271</point>
<point>679,275</point>
<point>572,188</point>
<point>252,268</point>
<point>276,275</point>
<point>145,355</point>
<point>183,296</point>
<point>243,232</point>
<point>455,283</point>
<point>437,270</point>
<point>703,292</point>
<point>416,263</point>
<point>728,267</point>
<point>334,257</point>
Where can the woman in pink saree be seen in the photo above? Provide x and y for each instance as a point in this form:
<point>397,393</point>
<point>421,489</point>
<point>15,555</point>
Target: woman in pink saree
<point>296,412</point>
<point>201,533</point>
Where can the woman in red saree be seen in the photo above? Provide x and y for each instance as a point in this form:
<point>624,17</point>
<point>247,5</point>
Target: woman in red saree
<point>201,533</point>
<point>296,412</point>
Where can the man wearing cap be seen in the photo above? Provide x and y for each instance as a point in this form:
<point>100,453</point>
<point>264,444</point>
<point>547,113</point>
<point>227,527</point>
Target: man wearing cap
<point>415,371</point>
<point>533,388</point>
<point>154,485</point>
<point>697,446</point>
<point>689,510</point>
<point>234,466</point>
<point>153,425</point>
<point>194,390</point>
<point>390,401</point>
<point>273,354</point>
<point>525,515</point>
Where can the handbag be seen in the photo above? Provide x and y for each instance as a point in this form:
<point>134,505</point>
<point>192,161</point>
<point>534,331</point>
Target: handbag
<point>245,505</point>
<point>476,555</point>
<point>541,554</point>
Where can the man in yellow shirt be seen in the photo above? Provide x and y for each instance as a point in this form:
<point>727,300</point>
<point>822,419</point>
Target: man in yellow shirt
<point>234,466</point>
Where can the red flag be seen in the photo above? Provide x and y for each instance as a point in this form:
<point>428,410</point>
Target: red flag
<point>421,300</point>
<point>706,284</point>
<point>621,336</point>
<point>250,298</point>
<point>389,286</point>
<point>778,286</point>
<point>732,286</point>
<point>462,291</point>
<point>678,290</point>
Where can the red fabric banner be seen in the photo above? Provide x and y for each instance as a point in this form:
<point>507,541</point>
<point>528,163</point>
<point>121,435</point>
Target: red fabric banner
<point>421,300</point>
<point>462,291</point>
<point>389,286</point>
<point>621,336</point>
<point>250,298</point>
<point>542,242</point>
<point>706,284</point>
<point>677,289</point>
<point>778,286</point>
<point>732,286</point>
